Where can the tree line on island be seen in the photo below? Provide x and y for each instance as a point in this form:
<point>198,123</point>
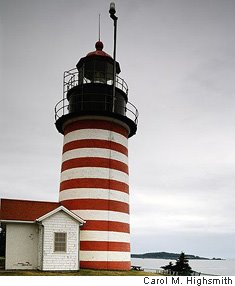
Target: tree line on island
<point>168,255</point>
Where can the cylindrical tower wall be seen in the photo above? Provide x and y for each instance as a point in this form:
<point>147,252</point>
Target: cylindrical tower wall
<point>94,185</point>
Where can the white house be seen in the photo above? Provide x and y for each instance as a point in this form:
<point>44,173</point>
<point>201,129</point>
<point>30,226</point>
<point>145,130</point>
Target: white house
<point>40,235</point>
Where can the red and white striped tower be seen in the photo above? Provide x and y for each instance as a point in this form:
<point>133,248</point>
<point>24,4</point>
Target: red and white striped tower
<point>94,174</point>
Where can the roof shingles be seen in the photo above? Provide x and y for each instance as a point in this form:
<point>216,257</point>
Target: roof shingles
<point>22,210</point>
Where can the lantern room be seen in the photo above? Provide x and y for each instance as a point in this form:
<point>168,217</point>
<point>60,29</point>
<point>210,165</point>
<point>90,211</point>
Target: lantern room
<point>89,89</point>
<point>97,67</point>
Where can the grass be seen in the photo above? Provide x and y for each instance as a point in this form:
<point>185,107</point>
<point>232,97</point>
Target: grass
<point>81,272</point>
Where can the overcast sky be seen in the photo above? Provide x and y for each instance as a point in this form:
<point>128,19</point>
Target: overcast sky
<point>177,57</point>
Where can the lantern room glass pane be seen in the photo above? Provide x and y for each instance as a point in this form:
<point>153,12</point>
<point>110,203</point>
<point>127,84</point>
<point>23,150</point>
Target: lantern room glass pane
<point>109,73</point>
<point>100,72</point>
<point>97,71</point>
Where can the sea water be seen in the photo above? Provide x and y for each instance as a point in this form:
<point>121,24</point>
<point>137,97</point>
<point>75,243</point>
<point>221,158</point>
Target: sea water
<point>213,267</point>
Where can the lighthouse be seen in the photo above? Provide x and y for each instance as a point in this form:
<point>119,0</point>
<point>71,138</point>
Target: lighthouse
<point>96,120</point>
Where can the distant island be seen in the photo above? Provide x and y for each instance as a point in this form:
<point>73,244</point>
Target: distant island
<point>168,255</point>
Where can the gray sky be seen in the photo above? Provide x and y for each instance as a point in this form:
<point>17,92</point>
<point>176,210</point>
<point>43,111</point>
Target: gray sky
<point>177,57</point>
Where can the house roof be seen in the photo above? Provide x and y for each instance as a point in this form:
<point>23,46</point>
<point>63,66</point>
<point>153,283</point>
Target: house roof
<point>22,210</point>
<point>61,208</point>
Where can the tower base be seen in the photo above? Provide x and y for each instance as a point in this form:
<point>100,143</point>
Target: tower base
<point>102,265</point>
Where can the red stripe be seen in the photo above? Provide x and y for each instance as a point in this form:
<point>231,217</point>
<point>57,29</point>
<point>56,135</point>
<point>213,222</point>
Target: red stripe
<point>94,183</point>
<point>106,265</point>
<point>94,162</point>
<point>102,225</point>
<point>95,143</point>
<point>95,124</point>
<point>96,204</point>
<point>104,246</point>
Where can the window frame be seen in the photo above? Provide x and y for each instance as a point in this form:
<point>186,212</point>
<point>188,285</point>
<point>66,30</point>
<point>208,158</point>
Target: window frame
<point>60,244</point>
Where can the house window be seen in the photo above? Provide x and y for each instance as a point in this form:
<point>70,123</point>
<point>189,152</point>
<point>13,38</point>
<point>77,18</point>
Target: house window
<point>60,242</point>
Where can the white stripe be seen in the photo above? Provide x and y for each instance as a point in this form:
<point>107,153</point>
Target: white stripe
<point>92,193</point>
<point>92,235</point>
<point>104,256</point>
<point>94,152</point>
<point>95,134</point>
<point>103,215</point>
<point>94,172</point>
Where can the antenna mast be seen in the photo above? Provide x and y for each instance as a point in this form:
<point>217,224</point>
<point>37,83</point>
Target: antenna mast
<point>99,27</point>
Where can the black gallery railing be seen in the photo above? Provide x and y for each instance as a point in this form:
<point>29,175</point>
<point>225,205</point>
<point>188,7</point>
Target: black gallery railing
<point>63,107</point>
<point>73,78</point>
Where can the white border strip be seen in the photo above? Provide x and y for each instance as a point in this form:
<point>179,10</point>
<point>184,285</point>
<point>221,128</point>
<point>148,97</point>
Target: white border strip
<point>96,134</point>
<point>94,172</point>
<point>93,235</point>
<point>104,256</point>
<point>93,193</point>
<point>103,215</point>
<point>95,152</point>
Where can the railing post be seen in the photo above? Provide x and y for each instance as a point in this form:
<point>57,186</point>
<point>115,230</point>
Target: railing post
<point>63,91</point>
